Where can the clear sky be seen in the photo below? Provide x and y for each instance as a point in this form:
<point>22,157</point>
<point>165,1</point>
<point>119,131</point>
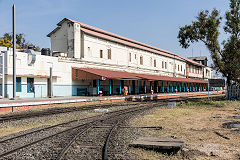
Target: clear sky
<point>154,22</point>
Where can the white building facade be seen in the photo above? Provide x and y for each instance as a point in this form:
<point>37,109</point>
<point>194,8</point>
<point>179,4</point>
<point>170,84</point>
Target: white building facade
<point>87,60</point>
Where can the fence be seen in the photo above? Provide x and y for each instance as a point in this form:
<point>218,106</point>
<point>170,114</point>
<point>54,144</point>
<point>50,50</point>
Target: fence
<point>233,92</point>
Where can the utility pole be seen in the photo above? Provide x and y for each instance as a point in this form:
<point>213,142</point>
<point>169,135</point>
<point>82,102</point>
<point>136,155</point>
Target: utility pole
<point>14,51</point>
<point>208,90</point>
<point>3,74</point>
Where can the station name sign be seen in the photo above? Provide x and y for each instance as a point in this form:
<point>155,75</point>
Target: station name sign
<point>216,82</point>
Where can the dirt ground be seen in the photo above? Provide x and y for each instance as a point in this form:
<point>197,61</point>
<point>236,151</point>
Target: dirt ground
<point>200,125</point>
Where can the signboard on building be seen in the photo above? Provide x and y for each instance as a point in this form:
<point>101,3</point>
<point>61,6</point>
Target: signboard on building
<point>216,82</point>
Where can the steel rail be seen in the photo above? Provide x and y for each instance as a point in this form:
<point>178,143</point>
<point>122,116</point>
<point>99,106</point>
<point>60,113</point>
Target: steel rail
<point>57,125</point>
<point>99,118</point>
<point>66,148</point>
<point>105,147</point>
<point>104,151</point>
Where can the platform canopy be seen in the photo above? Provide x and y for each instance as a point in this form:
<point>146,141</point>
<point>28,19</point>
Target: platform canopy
<point>102,74</point>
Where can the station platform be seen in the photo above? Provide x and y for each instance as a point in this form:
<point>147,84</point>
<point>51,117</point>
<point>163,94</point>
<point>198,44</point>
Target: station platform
<point>18,104</point>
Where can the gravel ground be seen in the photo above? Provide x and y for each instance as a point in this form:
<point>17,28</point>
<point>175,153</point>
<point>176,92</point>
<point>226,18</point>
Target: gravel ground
<point>90,145</point>
<point>48,149</point>
<point>12,126</point>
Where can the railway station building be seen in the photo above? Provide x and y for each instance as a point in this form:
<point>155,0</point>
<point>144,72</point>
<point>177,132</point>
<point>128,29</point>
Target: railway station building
<point>86,61</point>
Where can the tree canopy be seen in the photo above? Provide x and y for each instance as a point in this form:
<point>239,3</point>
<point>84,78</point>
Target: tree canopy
<point>21,42</point>
<point>225,55</point>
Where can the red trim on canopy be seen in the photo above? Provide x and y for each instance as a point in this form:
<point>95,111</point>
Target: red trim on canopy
<point>92,73</point>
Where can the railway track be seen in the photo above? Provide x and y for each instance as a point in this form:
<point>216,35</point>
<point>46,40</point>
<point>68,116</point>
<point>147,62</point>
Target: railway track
<point>77,128</point>
<point>53,111</point>
<point>111,124</point>
<point>72,130</point>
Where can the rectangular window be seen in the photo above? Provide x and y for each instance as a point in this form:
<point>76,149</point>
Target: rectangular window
<point>109,54</point>
<point>18,84</point>
<point>165,65</point>
<point>141,60</point>
<point>130,57</point>
<point>30,85</point>
<point>178,67</point>
<point>162,64</point>
<point>181,68</point>
<point>135,56</point>
<point>101,53</point>
<point>155,63</point>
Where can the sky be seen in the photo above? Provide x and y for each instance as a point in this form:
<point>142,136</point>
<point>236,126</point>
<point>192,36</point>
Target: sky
<point>154,22</point>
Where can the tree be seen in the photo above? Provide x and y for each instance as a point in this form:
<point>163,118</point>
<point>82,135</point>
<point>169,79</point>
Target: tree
<point>226,57</point>
<point>5,42</point>
<point>20,41</point>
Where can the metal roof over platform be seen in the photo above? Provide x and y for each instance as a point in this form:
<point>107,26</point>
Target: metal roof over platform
<point>92,74</point>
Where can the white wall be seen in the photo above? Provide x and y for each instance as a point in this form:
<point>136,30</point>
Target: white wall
<point>120,55</point>
<point>77,43</point>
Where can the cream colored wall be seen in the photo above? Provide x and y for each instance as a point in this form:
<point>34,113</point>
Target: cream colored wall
<point>120,55</point>
<point>41,67</point>
<point>76,43</point>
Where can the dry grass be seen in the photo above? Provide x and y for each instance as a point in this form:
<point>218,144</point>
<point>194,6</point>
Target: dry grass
<point>195,123</point>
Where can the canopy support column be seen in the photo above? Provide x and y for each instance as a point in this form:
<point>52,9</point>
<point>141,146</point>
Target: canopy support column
<point>120,90</point>
<point>129,87</point>
<point>145,87</point>
<point>167,87</point>
<point>98,83</point>
<point>162,87</point>
<point>110,86</point>
<point>150,85</point>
